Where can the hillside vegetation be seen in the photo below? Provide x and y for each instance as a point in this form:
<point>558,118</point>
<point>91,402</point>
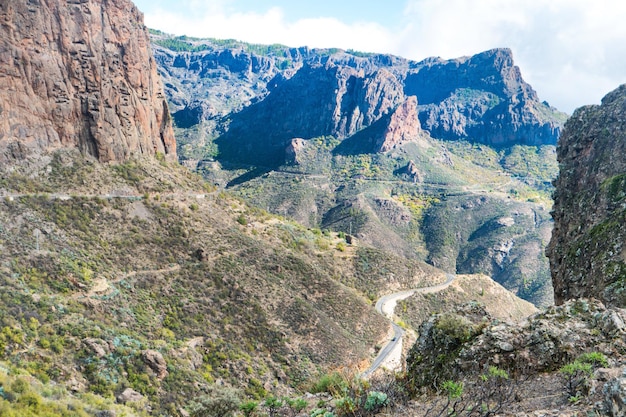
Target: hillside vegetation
<point>456,212</point>
<point>139,275</point>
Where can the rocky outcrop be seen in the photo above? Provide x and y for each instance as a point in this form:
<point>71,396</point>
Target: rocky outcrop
<point>454,345</point>
<point>79,74</point>
<point>155,362</point>
<point>482,98</point>
<point>295,147</point>
<point>129,395</point>
<point>587,251</point>
<point>615,396</point>
<point>317,101</point>
<point>403,127</point>
<point>413,172</point>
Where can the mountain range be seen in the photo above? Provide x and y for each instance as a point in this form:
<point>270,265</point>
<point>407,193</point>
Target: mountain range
<point>447,161</point>
<point>132,286</point>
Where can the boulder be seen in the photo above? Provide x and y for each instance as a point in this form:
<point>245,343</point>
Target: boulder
<point>155,362</point>
<point>129,395</point>
<point>615,396</point>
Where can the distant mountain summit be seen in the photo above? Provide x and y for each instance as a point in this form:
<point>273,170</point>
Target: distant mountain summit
<point>483,99</point>
<point>79,74</point>
<point>255,98</point>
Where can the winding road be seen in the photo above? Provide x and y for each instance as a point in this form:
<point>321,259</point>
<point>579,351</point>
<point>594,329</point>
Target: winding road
<point>386,306</point>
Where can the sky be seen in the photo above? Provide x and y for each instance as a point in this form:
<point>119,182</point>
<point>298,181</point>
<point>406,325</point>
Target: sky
<point>572,52</point>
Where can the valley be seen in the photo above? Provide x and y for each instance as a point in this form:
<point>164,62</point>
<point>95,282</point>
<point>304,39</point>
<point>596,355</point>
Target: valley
<point>194,227</point>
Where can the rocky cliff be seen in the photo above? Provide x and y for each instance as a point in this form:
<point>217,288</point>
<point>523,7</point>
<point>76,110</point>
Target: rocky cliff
<point>318,100</point>
<point>587,252</point>
<point>79,74</point>
<point>301,92</point>
<point>483,99</point>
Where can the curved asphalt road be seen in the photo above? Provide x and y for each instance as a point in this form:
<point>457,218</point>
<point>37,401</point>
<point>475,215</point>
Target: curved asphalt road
<point>386,306</point>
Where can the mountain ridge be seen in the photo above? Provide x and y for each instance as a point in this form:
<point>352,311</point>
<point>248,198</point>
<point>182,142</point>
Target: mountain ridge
<point>498,90</point>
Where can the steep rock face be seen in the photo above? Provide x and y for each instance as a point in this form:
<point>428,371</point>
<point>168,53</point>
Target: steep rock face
<point>403,126</point>
<point>587,251</point>
<point>483,99</point>
<point>397,127</point>
<point>316,101</point>
<point>212,83</point>
<point>79,74</point>
<point>480,99</point>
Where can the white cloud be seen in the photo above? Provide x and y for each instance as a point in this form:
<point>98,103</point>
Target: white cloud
<point>272,27</point>
<point>571,51</point>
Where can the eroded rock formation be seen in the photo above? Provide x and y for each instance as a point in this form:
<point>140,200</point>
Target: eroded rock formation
<point>482,98</point>
<point>453,345</point>
<point>403,126</point>
<point>79,74</point>
<point>587,251</point>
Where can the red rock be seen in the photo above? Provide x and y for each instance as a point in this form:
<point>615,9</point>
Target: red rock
<point>79,74</point>
<point>403,126</point>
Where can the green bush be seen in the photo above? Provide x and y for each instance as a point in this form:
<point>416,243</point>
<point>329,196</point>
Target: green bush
<point>296,405</point>
<point>576,374</point>
<point>594,358</point>
<point>346,406</point>
<point>376,400</point>
<point>248,408</point>
<point>456,327</point>
<point>241,219</point>
<point>220,401</point>
<point>453,390</point>
<point>576,379</point>
<point>273,404</point>
<point>333,383</point>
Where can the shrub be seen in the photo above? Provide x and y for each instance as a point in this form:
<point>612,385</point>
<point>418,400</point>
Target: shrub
<point>333,383</point>
<point>594,358</point>
<point>248,408</point>
<point>296,405</point>
<point>241,219</point>
<point>273,404</point>
<point>457,328</point>
<point>346,406</point>
<point>220,401</point>
<point>453,390</point>
<point>376,400</point>
<point>575,378</point>
<point>576,374</point>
